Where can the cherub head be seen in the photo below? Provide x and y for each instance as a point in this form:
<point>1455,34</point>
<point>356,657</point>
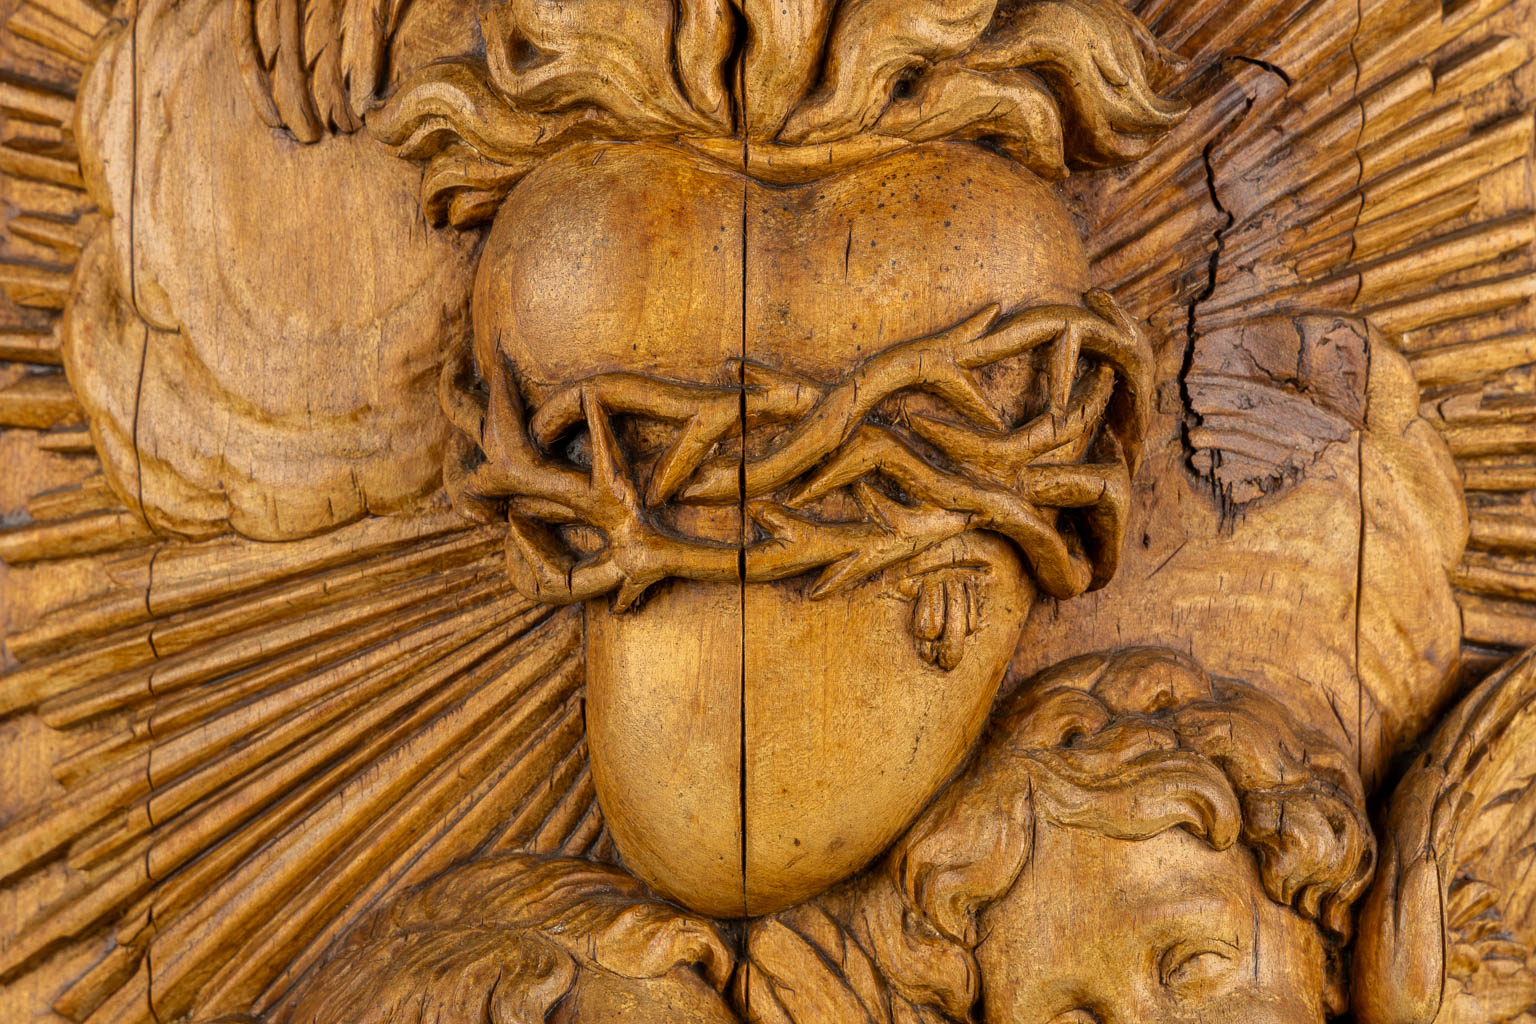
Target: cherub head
<point>1134,842</point>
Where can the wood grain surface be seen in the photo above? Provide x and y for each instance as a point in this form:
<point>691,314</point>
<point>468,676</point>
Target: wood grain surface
<point>821,511</point>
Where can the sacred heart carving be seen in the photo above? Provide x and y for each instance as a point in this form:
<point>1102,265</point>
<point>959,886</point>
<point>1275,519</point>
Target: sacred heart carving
<point>650,307</point>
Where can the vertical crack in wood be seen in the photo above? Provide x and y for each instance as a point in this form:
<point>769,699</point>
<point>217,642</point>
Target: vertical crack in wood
<point>133,262</point>
<point>138,473</point>
<point>1354,57</point>
<point>741,535</point>
<point>1365,417</point>
<point>741,510</point>
<point>1213,266</point>
<point>1360,589</point>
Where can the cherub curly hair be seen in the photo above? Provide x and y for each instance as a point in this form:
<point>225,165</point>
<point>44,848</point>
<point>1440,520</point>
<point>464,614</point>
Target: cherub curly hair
<point>1128,745</point>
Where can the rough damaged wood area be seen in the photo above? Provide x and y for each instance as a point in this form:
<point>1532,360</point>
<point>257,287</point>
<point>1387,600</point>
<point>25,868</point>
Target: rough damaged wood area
<point>794,512</point>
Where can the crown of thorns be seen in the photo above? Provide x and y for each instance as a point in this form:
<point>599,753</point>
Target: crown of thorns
<point>1052,84</point>
<point>1057,484</point>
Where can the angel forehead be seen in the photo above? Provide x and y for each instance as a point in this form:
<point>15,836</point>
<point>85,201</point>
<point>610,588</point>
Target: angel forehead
<point>925,355</point>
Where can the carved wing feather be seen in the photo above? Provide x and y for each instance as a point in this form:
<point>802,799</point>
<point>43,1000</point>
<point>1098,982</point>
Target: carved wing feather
<point>1371,159</point>
<point>1449,930</point>
<point>313,65</point>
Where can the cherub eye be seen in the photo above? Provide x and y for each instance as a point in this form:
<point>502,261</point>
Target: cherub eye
<point>1190,966</point>
<point>1076,1016</point>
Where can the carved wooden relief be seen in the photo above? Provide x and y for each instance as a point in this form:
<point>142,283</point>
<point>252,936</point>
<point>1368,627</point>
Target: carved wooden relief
<point>811,512</point>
